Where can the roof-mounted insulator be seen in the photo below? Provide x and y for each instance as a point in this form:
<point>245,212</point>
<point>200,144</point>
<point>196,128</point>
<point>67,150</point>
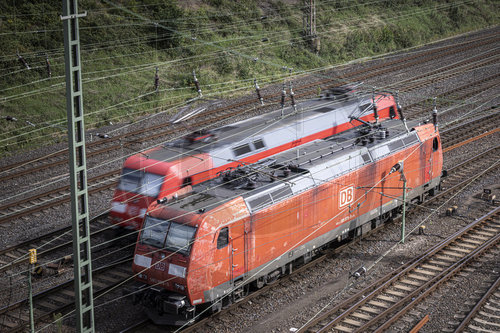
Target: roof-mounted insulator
<point>251,184</point>
<point>157,79</point>
<point>283,95</point>
<point>257,90</point>
<point>162,201</point>
<point>286,172</point>
<point>435,115</point>
<point>292,96</point>
<point>400,111</point>
<point>375,111</point>
<point>23,61</point>
<point>197,84</point>
<point>47,65</point>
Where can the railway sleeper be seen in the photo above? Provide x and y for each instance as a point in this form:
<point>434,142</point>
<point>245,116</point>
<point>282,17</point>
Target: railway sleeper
<point>362,316</point>
<point>343,328</point>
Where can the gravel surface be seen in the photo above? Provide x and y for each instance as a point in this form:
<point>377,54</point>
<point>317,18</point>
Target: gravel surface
<point>291,305</point>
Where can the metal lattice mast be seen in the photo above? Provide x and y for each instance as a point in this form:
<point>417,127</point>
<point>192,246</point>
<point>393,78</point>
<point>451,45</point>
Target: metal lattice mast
<point>309,24</point>
<point>78,170</point>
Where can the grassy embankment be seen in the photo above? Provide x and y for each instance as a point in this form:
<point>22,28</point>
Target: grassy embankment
<point>220,39</point>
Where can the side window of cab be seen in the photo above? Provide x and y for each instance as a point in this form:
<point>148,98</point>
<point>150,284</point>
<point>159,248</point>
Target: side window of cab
<point>223,238</point>
<point>435,144</point>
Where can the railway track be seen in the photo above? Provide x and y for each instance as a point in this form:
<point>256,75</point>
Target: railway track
<point>443,100</point>
<point>444,73</point>
<point>60,242</point>
<point>458,134</point>
<point>380,305</point>
<point>60,298</point>
<point>100,147</point>
<point>484,316</point>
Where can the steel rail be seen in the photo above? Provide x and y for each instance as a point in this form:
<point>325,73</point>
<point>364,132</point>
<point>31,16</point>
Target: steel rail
<point>419,294</point>
<point>42,297</point>
<point>6,217</point>
<point>367,294</point>
<point>66,243</point>
<point>470,63</point>
<point>492,289</point>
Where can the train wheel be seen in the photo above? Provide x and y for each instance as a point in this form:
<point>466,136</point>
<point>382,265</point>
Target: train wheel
<point>259,283</point>
<point>216,306</point>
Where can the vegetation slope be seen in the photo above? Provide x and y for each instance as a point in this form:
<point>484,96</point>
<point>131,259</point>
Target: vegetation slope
<point>228,43</point>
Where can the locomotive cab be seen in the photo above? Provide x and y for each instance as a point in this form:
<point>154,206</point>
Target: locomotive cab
<point>186,262</point>
<point>148,177</point>
<point>162,260</point>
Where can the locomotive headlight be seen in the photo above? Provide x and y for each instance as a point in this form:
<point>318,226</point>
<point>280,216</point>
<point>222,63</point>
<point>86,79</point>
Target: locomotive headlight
<point>119,207</point>
<point>177,270</point>
<point>179,286</point>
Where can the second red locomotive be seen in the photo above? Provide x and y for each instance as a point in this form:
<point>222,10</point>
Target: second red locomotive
<point>162,170</point>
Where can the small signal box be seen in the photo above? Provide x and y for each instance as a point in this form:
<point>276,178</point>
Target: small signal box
<point>32,256</point>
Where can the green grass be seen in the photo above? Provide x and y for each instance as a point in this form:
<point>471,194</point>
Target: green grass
<point>219,39</point>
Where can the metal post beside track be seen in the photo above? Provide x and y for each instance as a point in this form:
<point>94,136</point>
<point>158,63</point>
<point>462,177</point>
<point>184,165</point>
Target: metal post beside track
<point>78,170</point>
<point>404,209</point>
<point>32,261</point>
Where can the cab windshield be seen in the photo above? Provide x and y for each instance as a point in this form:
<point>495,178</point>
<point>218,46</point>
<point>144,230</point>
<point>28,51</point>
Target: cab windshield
<point>137,181</point>
<point>169,235</point>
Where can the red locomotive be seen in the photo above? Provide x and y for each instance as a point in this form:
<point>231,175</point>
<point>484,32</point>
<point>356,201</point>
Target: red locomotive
<point>205,248</point>
<point>161,171</point>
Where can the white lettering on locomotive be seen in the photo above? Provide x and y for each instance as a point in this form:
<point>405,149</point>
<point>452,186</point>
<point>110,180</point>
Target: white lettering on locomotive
<point>160,266</point>
<point>346,196</point>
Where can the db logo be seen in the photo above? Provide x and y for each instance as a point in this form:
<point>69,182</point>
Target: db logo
<point>160,266</point>
<point>346,196</point>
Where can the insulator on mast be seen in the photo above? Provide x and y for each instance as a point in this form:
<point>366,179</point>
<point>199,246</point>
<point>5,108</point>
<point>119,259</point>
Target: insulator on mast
<point>257,90</point>
<point>435,115</point>
<point>23,61</point>
<point>292,96</point>
<point>47,65</point>
<point>197,84</point>
<point>375,111</point>
<point>157,79</point>
<point>283,95</point>
<point>400,111</point>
